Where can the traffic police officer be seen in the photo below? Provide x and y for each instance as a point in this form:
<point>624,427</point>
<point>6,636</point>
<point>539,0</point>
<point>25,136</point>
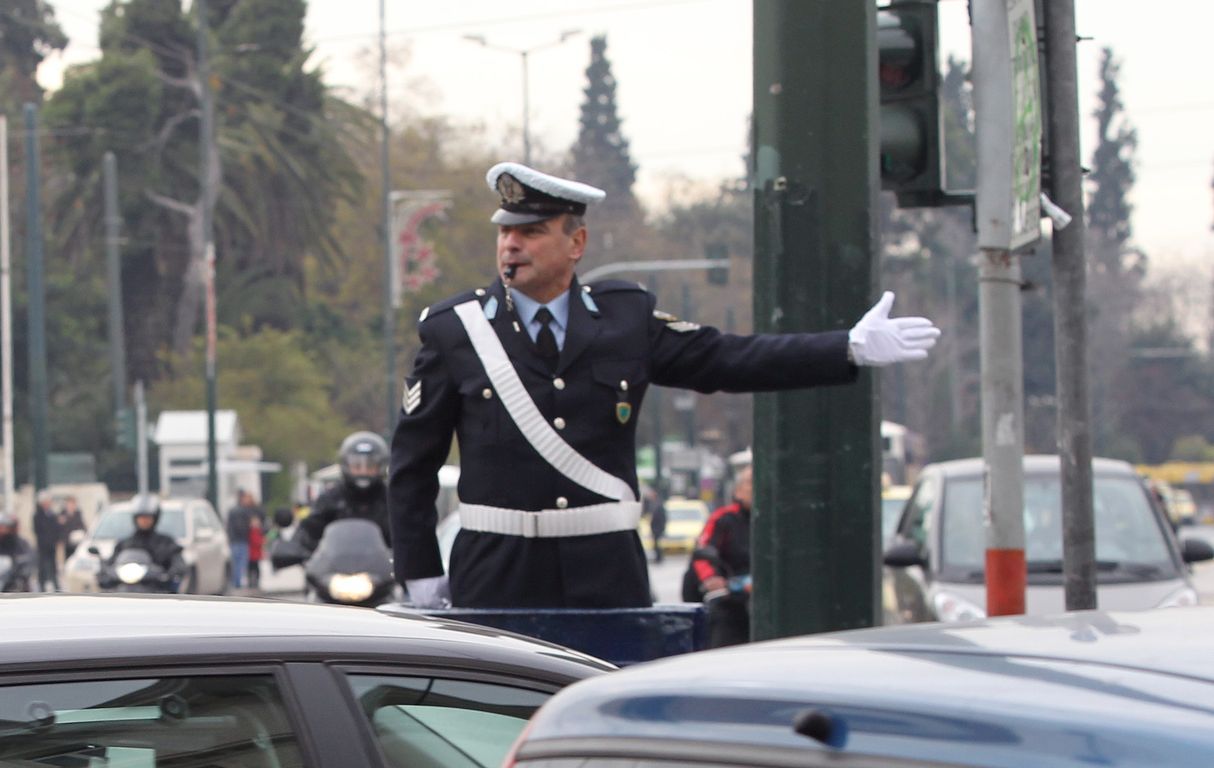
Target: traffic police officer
<point>542,378</point>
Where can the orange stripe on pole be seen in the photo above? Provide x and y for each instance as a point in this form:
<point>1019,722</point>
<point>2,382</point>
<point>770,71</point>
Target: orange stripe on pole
<point>1005,581</point>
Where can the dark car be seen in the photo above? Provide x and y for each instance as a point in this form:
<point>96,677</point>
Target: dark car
<point>1079,689</point>
<point>153,680</point>
<point>936,561</point>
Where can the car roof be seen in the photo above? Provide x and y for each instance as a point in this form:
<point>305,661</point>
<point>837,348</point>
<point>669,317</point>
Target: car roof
<point>1032,463</point>
<point>915,691</point>
<point>69,631</point>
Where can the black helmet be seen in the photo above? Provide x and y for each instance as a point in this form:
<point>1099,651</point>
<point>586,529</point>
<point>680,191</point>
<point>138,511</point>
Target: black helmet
<point>146,505</point>
<point>364,460</point>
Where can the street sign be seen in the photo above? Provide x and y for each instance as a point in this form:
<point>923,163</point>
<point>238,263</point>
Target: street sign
<point>1026,127</point>
<point>413,261</point>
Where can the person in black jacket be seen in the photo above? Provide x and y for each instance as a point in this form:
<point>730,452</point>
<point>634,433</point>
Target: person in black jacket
<point>12,545</point>
<point>721,562</point>
<point>363,458</point>
<point>47,535</point>
<point>542,379</point>
<point>164,550</point>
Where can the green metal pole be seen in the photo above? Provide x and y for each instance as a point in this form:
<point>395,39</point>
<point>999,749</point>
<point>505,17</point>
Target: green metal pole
<point>393,405</point>
<point>113,264</point>
<point>815,544</point>
<point>37,299</point>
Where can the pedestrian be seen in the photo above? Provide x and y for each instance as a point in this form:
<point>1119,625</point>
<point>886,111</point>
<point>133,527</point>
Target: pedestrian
<point>71,522</point>
<point>721,562</point>
<point>542,379</point>
<point>257,541</point>
<point>47,535</point>
<point>657,528</point>
<point>238,534</point>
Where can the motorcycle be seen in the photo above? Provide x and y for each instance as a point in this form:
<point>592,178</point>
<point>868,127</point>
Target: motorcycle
<point>14,574</point>
<point>351,565</point>
<point>133,570</point>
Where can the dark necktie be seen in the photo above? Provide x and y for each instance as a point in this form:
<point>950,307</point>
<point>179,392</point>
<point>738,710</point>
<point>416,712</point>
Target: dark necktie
<point>545,340</point>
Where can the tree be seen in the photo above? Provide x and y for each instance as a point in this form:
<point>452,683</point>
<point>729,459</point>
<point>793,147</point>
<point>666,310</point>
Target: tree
<point>601,158</point>
<point>28,33</point>
<point>1112,174</point>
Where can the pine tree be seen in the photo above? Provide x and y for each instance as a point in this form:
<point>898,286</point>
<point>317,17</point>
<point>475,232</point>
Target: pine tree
<point>600,157</point>
<point>1112,174</point>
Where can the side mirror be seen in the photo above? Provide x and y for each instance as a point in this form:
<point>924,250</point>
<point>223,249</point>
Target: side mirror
<point>1196,550</point>
<point>904,554</point>
<point>94,551</point>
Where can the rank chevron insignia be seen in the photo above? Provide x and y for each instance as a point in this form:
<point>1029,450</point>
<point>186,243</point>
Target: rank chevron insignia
<point>412,398</point>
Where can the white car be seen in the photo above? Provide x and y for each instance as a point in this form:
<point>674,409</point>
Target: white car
<point>192,522</point>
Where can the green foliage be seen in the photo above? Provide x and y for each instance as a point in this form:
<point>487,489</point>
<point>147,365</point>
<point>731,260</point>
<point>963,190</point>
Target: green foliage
<point>278,388</point>
<point>1192,448</point>
<point>28,34</point>
<point>600,156</point>
<point>1112,175</point>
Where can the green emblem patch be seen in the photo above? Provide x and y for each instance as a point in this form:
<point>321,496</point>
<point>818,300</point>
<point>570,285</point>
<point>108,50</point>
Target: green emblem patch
<point>623,412</point>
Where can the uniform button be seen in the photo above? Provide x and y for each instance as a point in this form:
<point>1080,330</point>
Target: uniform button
<point>561,502</point>
<point>480,291</point>
<point>623,386</point>
<point>558,422</point>
<point>559,383</point>
<point>487,393</point>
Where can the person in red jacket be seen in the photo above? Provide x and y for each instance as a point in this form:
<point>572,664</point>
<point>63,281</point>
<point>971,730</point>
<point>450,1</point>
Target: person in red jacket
<point>257,540</point>
<point>722,563</point>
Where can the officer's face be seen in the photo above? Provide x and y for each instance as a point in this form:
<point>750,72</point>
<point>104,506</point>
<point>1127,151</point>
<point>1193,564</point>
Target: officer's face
<point>543,255</point>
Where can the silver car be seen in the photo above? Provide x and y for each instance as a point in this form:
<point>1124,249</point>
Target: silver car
<point>935,563</point>
<point>192,522</point>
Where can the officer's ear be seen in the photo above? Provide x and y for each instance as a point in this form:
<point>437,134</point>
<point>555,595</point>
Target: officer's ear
<point>578,238</point>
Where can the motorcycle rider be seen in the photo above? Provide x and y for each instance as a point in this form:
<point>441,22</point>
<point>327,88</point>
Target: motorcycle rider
<point>363,457</point>
<point>164,550</point>
<point>19,550</point>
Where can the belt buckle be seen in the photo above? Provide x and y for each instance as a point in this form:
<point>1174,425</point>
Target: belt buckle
<point>531,525</point>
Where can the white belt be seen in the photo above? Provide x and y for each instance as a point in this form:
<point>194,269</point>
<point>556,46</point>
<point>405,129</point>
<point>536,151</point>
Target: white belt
<point>551,523</point>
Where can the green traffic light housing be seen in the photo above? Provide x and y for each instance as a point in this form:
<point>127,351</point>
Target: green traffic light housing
<point>718,252</point>
<point>909,79</point>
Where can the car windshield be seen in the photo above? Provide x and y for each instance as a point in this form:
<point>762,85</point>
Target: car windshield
<point>891,510</point>
<point>119,523</point>
<point>1128,536</point>
<point>692,512</point>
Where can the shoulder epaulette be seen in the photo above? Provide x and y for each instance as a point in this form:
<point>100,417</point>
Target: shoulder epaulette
<point>449,303</point>
<point>613,286</point>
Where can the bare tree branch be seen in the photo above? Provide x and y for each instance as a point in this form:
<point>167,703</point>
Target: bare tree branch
<point>173,205</point>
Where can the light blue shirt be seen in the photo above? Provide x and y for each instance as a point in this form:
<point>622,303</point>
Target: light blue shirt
<point>559,307</point>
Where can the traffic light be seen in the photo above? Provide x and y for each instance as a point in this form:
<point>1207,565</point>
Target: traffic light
<point>717,252</point>
<point>124,428</point>
<point>910,107</point>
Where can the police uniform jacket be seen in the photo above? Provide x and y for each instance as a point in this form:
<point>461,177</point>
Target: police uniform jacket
<point>616,345</point>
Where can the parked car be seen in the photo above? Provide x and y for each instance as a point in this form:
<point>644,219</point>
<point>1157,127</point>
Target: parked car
<point>192,522</point>
<point>1080,689</point>
<point>893,499</point>
<point>936,561</point>
<point>158,680</point>
<point>685,519</point>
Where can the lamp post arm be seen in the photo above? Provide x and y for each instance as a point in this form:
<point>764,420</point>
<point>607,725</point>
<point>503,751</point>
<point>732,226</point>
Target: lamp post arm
<point>660,265</point>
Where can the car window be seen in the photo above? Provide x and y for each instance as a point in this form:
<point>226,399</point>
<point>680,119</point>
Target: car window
<point>423,722</point>
<point>1127,530</point>
<point>202,519</point>
<point>117,524</point>
<point>916,519</point>
<point>216,721</point>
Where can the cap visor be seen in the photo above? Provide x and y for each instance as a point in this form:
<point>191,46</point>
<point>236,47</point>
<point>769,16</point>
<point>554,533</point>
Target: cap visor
<point>506,218</point>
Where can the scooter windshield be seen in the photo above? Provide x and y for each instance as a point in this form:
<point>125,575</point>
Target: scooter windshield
<point>353,545</point>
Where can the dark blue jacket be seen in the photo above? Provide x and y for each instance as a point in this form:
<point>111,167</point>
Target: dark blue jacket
<point>616,345</point>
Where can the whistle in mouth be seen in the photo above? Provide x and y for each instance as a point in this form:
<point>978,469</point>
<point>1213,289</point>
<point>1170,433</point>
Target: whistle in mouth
<point>510,270</point>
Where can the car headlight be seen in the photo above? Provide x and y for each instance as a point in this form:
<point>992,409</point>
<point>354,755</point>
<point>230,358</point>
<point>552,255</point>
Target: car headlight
<point>132,573</point>
<point>351,587</point>
<point>950,607</point>
<point>1182,596</point>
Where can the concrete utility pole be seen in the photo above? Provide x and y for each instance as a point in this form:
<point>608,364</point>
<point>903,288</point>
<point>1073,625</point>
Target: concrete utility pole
<point>113,263</point>
<point>36,298</point>
<point>1070,323</point>
<point>1008,118</point>
<point>815,533</point>
<point>6,322</point>
<point>206,138</point>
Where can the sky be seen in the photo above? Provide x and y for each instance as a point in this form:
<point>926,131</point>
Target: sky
<point>683,72</point>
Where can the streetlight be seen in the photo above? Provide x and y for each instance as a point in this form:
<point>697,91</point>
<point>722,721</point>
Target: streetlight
<point>523,54</point>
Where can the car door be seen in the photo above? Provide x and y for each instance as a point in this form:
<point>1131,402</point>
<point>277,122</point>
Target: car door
<point>208,548</point>
<point>910,584</point>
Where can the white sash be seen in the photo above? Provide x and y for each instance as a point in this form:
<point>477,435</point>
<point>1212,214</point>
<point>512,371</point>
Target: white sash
<point>527,416</point>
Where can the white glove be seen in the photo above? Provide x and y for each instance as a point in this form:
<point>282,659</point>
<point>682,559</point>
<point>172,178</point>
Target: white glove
<point>880,340</point>
<point>429,593</point>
